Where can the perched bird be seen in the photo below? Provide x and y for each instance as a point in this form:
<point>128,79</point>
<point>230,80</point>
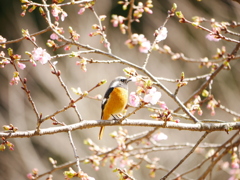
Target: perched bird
<point>115,99</point>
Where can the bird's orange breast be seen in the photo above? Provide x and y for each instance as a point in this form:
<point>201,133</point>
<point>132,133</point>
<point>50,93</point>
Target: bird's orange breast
<point>116,102</point>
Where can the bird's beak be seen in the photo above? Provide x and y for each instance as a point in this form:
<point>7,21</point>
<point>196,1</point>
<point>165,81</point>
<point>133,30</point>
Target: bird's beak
<point>133,79</point>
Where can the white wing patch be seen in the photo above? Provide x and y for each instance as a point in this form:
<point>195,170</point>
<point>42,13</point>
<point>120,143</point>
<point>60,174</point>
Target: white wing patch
<point>104,100</point>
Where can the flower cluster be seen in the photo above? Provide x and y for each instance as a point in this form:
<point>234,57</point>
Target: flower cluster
<point>71,173</point>
<point>15,79</point>
<point>194,105</point>
<point>54,36</point>
<point>74,35</point>
<point>139,9</point>
<point>151,95</point>
<point>144,86</point>
<point>141,41</point>
<point>216,30</point>
<point>2,40</point>
<point>118,20</point>
<point>146,94</point>
<point>232,168</point>
<point>87,5</point>
<point>6,143</point>
<point>161,34</point>
<point>163,115</point>
<point>99,30</point>
<point>94,159</point>
<point>212,104</point>
<point>4,61</point>
<point>40,54</point>
<point>56,10</point>
<point>83,64</point>
<point>33,174</point>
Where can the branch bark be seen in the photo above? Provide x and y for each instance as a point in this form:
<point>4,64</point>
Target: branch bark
<point>207,127</point>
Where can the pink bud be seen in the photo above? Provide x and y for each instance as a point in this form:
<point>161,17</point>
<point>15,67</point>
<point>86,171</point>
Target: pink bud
<point>81,11</point>
<point>21,65</point>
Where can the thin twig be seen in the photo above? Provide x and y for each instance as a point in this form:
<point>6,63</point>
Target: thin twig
<point>129,18</point>
<point>71,104</point>
<point>56,72</point>
<point>212,76</point>
<point>74,151</point>
<point>126,175</point>
<point>190,152</point>
<point>27,91</point>
<point>185,79</point>
<point>30,3</point>
<point>229,111</point>
<point>22,38</point>
<point>209,31</point>
<point>210,157</point>
<point>155,42</point>
<point>104,36</point>
<point>219,157</point>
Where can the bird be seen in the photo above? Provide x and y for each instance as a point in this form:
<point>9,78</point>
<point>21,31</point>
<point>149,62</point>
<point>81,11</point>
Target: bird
<point>115,100</point>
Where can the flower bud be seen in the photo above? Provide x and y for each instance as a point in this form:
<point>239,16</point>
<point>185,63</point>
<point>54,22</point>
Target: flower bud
<point>102,82</point>
<point>174,7</point>
<point>10,51</point>
<point>2,147</point>
<point>179,14</point>
<point>41,11</point>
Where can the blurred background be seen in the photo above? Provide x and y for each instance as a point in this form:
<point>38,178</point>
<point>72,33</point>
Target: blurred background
<point>49,96</point>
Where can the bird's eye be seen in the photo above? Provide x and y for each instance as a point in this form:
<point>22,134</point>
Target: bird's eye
<point>122,80</point>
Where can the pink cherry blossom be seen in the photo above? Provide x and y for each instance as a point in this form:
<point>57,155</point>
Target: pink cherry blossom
<point>54,36</point>
<point>177,120</point>
<point>14,81</point>
<point>40,55</point>
<point>21,65</point>
<point>30,176</point>
<point>145,46</point>
<point>211,37</point>
<point>2,40</point>
<point>55,12</point>
<point>162,34</point>
<point>234,174</point>
<point>67,48</point>
<point>160,136</point>
<point>81,11</point>
<point>162,104</point>
<point>235,165</point>
<point>134,100</point>
<point>63,15</point>
<point>152,96</point>
<point>33,62</point>
<point>115,20</point>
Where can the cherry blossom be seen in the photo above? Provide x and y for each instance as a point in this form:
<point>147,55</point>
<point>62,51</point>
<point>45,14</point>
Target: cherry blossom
<point>134,100</point>
<point>81,11</point>
<point>21,65</point>
<point>160,136</point>
<point>145,46</point>
<point>211,37</point>
<point>40,55</point>
<point>152,96</point>
<point>14,80</point>
<point>162,34</point>
<point>54,36</point>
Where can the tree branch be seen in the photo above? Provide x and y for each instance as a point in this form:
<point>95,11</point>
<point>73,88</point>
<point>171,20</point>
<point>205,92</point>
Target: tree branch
<point>209,127</point>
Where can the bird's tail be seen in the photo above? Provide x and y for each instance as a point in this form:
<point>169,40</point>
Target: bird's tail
<point>101,133</point>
